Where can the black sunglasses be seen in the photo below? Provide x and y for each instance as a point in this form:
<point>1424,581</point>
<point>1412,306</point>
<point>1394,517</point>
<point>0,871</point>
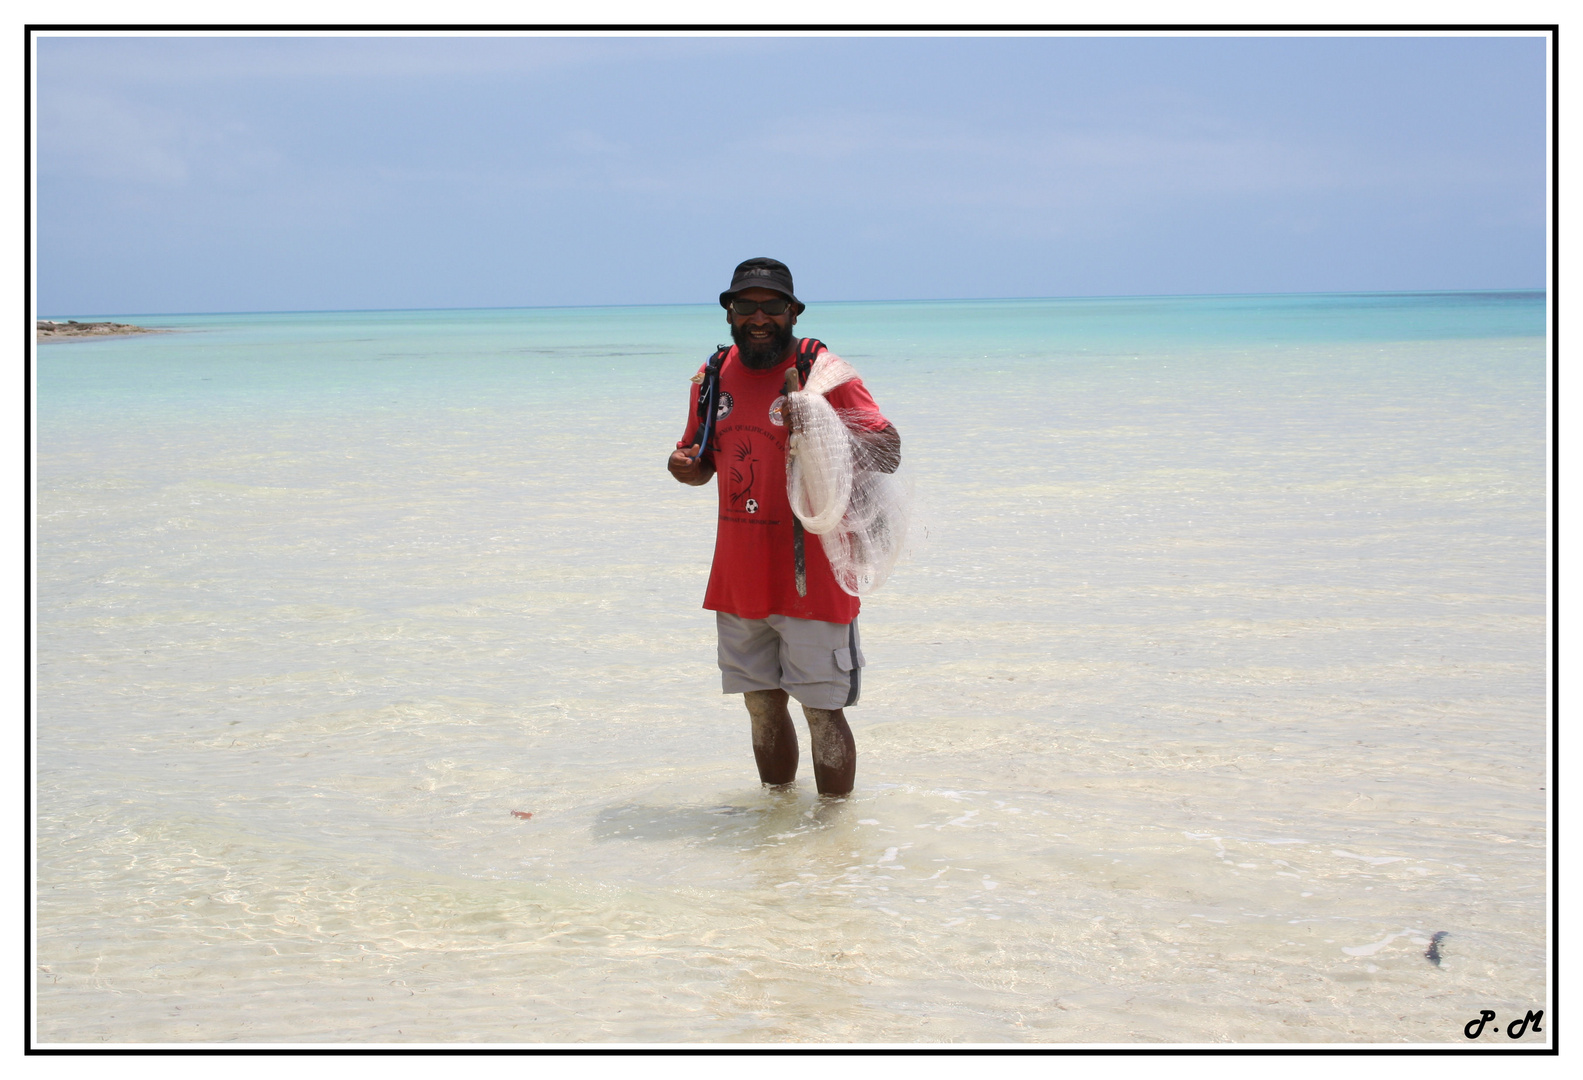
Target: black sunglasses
<point>768,307</point>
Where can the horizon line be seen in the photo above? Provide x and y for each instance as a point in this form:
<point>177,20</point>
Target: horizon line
<point>932,300</point>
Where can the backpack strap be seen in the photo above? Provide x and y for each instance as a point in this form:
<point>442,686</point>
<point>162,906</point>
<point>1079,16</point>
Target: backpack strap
<point>709,398</point>
<point>807,350</point>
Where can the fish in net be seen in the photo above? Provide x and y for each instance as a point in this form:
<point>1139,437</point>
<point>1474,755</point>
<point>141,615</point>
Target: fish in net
<point>844,482</point>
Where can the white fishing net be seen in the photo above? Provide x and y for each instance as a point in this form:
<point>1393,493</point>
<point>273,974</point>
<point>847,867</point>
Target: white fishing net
<point>844,482</point>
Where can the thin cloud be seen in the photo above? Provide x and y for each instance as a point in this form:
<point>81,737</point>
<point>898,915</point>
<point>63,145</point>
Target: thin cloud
<point>200,58</point>
<point>1151,161</point>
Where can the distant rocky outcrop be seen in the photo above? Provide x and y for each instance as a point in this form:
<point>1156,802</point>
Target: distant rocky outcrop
<point>49,330</point>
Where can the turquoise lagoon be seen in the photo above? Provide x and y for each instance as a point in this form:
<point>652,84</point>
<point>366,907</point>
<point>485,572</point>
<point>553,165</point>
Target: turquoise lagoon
<point>1215,684</point>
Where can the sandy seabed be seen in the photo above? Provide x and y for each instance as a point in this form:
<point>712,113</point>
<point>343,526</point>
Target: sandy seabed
<point>1216,689</point>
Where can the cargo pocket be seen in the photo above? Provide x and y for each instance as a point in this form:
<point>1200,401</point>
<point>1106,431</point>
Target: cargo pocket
<point>843,661</point>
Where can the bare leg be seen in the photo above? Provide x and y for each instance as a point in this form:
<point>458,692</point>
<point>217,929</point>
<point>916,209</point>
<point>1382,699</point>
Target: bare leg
<point>774,736</point>
<point>834,751</point>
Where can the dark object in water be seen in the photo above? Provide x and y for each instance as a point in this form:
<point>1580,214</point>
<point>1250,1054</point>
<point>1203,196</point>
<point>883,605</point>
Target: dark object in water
<point>1432,954</point>
<point>524,815</point>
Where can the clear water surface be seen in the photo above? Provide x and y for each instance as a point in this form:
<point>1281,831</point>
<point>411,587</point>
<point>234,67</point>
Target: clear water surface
<point>1215,685</point>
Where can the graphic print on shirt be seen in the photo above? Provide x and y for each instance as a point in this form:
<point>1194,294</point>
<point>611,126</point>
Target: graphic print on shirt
<point>744,471</point>
<point>723,406</point>
<point>753,574</point>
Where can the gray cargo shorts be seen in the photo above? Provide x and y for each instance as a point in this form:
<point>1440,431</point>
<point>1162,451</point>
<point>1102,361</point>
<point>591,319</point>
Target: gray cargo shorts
<point>818,663</point>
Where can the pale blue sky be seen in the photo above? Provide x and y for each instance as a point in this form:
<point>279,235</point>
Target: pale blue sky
<point>258,174</point>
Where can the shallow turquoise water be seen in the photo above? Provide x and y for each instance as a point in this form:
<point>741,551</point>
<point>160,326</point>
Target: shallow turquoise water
<point>1216,684</point>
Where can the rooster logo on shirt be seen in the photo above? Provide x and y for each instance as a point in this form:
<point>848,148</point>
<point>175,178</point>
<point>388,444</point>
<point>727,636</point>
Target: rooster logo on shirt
<point>743,473</point>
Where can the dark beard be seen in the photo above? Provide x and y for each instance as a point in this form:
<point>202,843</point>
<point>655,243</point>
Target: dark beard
<point>761,357</point>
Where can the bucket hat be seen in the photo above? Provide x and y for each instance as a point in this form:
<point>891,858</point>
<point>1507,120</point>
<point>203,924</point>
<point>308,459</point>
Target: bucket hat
<point>762,274</point>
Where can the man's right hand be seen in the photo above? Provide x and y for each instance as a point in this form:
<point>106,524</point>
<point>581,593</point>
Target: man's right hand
<point>689,467</point>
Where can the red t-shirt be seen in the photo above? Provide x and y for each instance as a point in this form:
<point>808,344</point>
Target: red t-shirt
<point>754,573</point>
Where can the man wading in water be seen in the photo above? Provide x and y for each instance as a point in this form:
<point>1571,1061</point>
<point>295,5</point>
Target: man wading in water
<point>786,628</point>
